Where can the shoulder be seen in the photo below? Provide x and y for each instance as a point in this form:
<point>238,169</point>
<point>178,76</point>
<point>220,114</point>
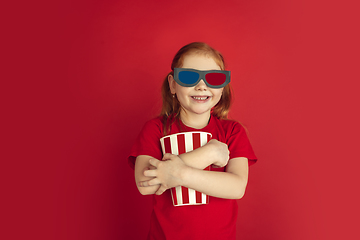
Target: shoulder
<point>236,138</point>
<point>231,132</point>
<point>147,142</point>
<point>230,125</point>
<point>155,124</point>
<point>155,121</point>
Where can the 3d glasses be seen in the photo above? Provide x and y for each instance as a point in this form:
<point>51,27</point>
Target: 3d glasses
<point>188,77</point>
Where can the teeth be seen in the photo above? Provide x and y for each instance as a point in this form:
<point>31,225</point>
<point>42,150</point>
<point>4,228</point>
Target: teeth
<point>200,98</point>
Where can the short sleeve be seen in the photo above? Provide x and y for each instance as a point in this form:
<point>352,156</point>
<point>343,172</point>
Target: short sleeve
<point>239,144</point>
<point>148,142</point>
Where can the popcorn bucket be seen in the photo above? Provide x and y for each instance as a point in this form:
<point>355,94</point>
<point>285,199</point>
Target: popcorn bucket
<point>180,143</point>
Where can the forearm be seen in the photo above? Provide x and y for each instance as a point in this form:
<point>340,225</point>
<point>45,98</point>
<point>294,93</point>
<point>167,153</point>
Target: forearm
<point>217,184</point>
<point>196,159</point>
<point>174,172</point>
<point>142,164</point>
<point>213,153</point>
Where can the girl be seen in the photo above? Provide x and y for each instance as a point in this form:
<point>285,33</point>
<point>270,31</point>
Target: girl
<point>196,97</point>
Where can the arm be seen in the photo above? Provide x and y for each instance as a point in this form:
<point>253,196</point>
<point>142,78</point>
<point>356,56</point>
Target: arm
<point>230,184</point>
<point>142,164</point>
<point>214,152</point>
<point>174,172</point>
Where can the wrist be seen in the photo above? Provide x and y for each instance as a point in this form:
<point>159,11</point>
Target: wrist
<point>208,154</point>
<point>184,175</point>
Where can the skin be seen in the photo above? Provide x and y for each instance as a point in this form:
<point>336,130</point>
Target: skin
<point>196,113</point>
<point>154,176</point>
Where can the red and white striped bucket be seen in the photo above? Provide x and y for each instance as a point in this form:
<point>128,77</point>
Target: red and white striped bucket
<point>180,143</point>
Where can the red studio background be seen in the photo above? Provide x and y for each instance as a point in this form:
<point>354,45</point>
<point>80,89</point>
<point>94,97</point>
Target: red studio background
<point>80,78</point>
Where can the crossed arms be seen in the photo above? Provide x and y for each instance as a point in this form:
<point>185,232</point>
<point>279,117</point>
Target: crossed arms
<point>153,176</point>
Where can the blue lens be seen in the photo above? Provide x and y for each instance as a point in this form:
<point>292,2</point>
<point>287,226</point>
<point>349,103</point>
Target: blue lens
<point>188,77</point>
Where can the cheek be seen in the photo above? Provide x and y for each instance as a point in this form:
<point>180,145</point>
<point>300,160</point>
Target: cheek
<point>217,96</point>
<point>180,95</point>
<point>181,90</point>
<point>218,93</point>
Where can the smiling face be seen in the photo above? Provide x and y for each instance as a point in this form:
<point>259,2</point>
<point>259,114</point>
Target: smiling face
<point>196,101</point>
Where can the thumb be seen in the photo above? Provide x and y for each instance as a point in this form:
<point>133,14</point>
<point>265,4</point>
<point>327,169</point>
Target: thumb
<point>167,156</point>
<point>161,190</point>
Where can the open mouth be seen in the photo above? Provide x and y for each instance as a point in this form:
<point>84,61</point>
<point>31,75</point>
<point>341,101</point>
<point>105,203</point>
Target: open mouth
<point>200,98</point>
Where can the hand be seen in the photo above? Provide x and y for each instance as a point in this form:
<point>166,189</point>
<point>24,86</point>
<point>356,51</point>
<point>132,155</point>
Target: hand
<point>167,173</point>
<point>219,152</point>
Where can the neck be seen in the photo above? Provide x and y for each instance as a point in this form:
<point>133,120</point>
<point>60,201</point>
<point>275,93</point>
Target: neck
<point>197,121</point>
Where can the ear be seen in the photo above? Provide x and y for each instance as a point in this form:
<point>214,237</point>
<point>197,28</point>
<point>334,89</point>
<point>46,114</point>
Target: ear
<point>172,84</point>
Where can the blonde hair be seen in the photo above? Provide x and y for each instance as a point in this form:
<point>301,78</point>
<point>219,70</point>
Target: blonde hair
<point>171,106</point>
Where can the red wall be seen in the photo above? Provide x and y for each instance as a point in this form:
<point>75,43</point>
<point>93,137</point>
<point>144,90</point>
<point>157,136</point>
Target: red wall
<point>84,76</point>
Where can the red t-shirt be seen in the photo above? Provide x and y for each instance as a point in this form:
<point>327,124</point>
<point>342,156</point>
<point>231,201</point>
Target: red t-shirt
<point>216,220</point>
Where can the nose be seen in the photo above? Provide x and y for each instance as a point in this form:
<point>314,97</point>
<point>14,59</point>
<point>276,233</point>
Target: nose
<point>201,85</point>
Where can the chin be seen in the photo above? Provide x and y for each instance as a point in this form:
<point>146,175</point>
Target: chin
<point>201,112</point>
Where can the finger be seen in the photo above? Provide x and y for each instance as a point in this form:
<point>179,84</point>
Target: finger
<point>154,181</point>
<point>168,156</point>
<point>153,161</point>
<point>150,173</point>
<point>150,183</point>
<point>161,190</point>
<point>143,184</point>
<point>151,168</point>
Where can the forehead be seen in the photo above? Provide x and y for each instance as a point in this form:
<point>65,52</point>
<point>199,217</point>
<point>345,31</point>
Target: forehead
<point>200,62</point>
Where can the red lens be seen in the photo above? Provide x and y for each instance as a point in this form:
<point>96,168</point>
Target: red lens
<point>215,79</point>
